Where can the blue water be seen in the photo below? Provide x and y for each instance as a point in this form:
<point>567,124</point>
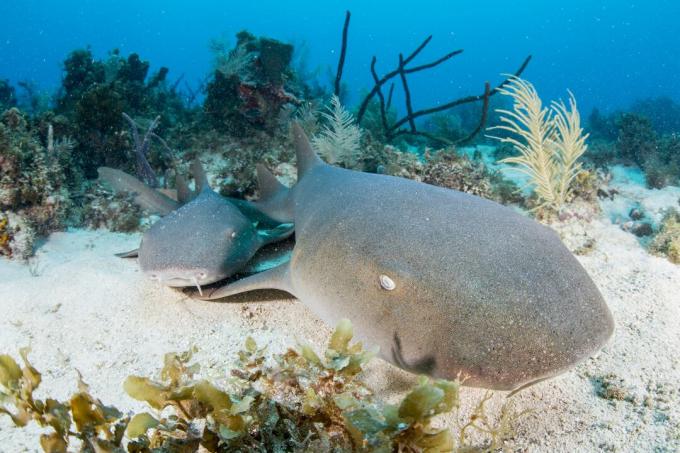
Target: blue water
<point>608,52</point>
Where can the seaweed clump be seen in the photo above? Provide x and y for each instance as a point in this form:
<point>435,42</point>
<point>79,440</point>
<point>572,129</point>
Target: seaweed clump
<point>303,402</point>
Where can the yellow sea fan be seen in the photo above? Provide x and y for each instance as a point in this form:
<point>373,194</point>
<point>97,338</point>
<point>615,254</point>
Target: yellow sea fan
<point>571,142</point>
<point>550,141</point>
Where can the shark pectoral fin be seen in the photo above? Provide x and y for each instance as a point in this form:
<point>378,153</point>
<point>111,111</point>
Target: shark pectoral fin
<point>145,196</point>
<point>276,234</point>
<point>275,278</point>
<point>131,254</point>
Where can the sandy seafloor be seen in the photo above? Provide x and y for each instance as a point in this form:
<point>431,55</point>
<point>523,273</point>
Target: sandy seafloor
<point>90,311</point>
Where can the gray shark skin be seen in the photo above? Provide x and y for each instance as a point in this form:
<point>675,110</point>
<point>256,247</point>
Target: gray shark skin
<point>204,240</point>
<point>445,283</point>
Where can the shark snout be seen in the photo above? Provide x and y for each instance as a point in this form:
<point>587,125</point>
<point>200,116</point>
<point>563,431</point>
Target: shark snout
<point>175,278</point>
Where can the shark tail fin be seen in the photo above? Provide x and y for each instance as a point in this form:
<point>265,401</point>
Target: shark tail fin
<point>200,178</point>
<point>145,197</point>
<point>306,157</point>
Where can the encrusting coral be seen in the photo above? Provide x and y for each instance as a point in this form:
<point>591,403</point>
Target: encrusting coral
<point>448,169</point>
<point>550,141</point>
<point>33,197</point>
<point>301,402</point>
<point>667,240</point>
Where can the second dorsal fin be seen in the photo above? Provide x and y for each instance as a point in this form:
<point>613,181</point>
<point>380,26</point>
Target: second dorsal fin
<point>268,184</point>
<point>200,178</point>
<point>184,194</point>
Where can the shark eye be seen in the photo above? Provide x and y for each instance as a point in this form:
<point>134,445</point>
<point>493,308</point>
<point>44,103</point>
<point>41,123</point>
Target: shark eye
<point>386,283</point>
<point>231,234</point>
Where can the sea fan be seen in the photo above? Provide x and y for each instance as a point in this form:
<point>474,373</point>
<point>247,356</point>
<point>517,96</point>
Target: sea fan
<point>571,142</point>
<point>550,141</point>
<point>338,141</point>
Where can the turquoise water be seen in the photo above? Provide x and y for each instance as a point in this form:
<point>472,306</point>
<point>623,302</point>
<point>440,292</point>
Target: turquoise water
<point>608,52</point>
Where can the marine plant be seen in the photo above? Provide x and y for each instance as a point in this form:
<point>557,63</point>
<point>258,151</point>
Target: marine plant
<point>550,141</point>
<point>339,139</point>
<point>299,402</point>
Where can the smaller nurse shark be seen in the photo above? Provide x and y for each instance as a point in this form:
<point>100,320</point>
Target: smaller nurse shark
<point>201,238</point>
<point>445,283</point>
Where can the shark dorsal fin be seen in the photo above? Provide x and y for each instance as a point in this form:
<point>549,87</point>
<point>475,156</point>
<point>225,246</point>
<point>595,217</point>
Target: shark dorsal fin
<point>267,183</point>
<point>200,178</point>
<point>184,194</point>
<point>306,157</point>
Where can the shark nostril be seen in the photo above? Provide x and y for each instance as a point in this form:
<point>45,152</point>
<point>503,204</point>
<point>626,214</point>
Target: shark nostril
<point>202,275</point>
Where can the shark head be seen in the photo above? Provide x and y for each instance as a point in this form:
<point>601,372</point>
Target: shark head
<point>202,242</point>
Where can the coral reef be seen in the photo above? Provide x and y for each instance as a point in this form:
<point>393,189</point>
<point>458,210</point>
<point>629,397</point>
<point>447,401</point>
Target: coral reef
<point>301,402</point>
<point>94,96</point>
<point>636,139</point>
<point>33,196</point>
<point>17,236</point>
<point>447,169</point>
<point>115,212</point>
<point>667,241</point>
<point>250,85</point>
<point>659,157</point>
<point>648,137</point>
<point>662,112</point>
<point>8,96</point>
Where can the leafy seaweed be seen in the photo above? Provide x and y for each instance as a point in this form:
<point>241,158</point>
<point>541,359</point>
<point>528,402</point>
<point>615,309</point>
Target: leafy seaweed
<point>299,401</point>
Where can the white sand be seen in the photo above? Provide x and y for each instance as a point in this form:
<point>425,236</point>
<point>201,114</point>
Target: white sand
<point>91,311</point>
